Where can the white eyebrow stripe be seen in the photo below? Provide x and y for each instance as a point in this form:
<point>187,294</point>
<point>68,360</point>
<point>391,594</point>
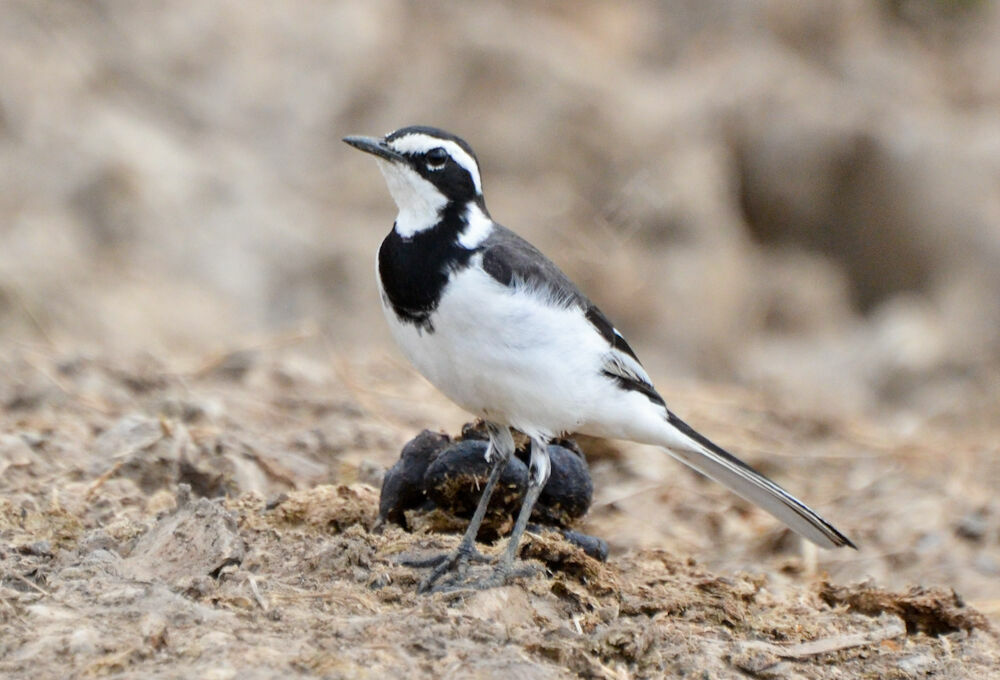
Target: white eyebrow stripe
<point>417,142</point>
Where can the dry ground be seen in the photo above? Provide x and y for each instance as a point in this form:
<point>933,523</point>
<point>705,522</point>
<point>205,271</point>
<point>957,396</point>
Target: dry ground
<point>799,198</point>
<point>213,520</point>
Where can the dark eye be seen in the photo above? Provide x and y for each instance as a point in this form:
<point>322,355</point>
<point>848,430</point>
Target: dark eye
<point>436,158</point>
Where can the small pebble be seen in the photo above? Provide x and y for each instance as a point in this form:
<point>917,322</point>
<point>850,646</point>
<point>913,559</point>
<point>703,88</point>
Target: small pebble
<point>592,545</point>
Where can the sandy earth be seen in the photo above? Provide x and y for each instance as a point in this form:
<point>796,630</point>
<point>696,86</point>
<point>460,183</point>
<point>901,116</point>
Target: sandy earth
<point>214,521</point>
<point>789,208</point>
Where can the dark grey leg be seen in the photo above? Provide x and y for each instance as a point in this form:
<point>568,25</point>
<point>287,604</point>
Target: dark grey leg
<point>499,452</point>
<point>506,568</point>
<point>539,471</point>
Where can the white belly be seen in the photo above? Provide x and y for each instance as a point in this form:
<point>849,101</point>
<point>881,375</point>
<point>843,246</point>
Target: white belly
<point>514,358</point>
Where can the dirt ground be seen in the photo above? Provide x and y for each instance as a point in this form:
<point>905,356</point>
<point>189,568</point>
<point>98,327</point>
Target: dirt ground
<point>789,208</point>
<point>213,520</point>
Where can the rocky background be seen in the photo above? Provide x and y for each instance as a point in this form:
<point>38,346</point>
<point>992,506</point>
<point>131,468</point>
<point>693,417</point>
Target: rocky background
<point>791,209</point>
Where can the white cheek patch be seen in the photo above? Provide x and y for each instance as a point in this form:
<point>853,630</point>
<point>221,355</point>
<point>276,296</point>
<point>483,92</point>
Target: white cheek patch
<point>420,143</point>
<point>478,229</point>
<point>419,202</point>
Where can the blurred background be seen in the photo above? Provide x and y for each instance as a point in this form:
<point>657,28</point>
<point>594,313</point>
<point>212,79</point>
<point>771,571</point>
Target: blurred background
<point>791,209</point>
<point>802,197</point>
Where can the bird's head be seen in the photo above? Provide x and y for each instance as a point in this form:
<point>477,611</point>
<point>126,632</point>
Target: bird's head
<point>426,169</point>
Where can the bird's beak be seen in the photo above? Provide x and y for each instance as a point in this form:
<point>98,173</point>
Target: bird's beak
<point>374,146</point>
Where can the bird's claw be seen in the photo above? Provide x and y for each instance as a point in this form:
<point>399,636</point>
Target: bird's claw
<point>501,575</point>
<point>456,561</point>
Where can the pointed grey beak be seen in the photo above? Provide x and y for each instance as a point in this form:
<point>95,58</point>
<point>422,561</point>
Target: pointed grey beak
<point>374,146</point>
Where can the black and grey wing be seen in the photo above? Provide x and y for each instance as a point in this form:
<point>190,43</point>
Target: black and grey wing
<point>620,363</point>
<point>512,261</point>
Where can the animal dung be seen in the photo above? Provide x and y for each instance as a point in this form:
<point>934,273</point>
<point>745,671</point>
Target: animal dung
<point>458,474</point>
<point>403,484</point>
<point>569,491</point>
<point>436,472</point>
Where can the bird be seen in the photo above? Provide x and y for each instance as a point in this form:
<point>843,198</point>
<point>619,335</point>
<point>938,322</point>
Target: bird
<point>498,328</point>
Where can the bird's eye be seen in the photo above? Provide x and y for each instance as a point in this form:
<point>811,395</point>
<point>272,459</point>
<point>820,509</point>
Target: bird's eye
<point>436,158</point>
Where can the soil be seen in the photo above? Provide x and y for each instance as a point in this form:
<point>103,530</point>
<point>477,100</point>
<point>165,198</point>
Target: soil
<point>798,200</point>
<point>215,520</point>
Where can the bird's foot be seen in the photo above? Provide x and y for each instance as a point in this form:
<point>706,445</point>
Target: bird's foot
<point>455,561</point>
<point>500,575</point>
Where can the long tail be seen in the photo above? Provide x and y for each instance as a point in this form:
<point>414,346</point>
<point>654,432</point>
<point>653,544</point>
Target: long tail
<point>695,450</point>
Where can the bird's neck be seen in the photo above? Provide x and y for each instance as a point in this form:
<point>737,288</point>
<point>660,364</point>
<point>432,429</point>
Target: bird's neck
<point>417,219</point>
<point>414,267</point>
<point>467,222</point>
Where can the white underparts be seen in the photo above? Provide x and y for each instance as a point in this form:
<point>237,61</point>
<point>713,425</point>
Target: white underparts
<point>514,357</point>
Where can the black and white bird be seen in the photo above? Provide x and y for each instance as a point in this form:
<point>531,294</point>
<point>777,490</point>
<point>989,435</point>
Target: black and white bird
<point>501,331</point>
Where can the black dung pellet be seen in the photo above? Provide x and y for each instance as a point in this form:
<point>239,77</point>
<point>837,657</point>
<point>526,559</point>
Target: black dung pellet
<point>403,485</point>
<point>568,493</point>
<point>455,480</point>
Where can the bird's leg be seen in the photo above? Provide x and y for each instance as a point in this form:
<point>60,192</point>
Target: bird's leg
<point>505,569</point>
<point>500,450</point>
<point>539,474</point>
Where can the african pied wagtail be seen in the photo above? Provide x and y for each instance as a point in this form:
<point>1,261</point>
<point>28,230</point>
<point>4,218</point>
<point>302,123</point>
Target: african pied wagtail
<point>498,328</point>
